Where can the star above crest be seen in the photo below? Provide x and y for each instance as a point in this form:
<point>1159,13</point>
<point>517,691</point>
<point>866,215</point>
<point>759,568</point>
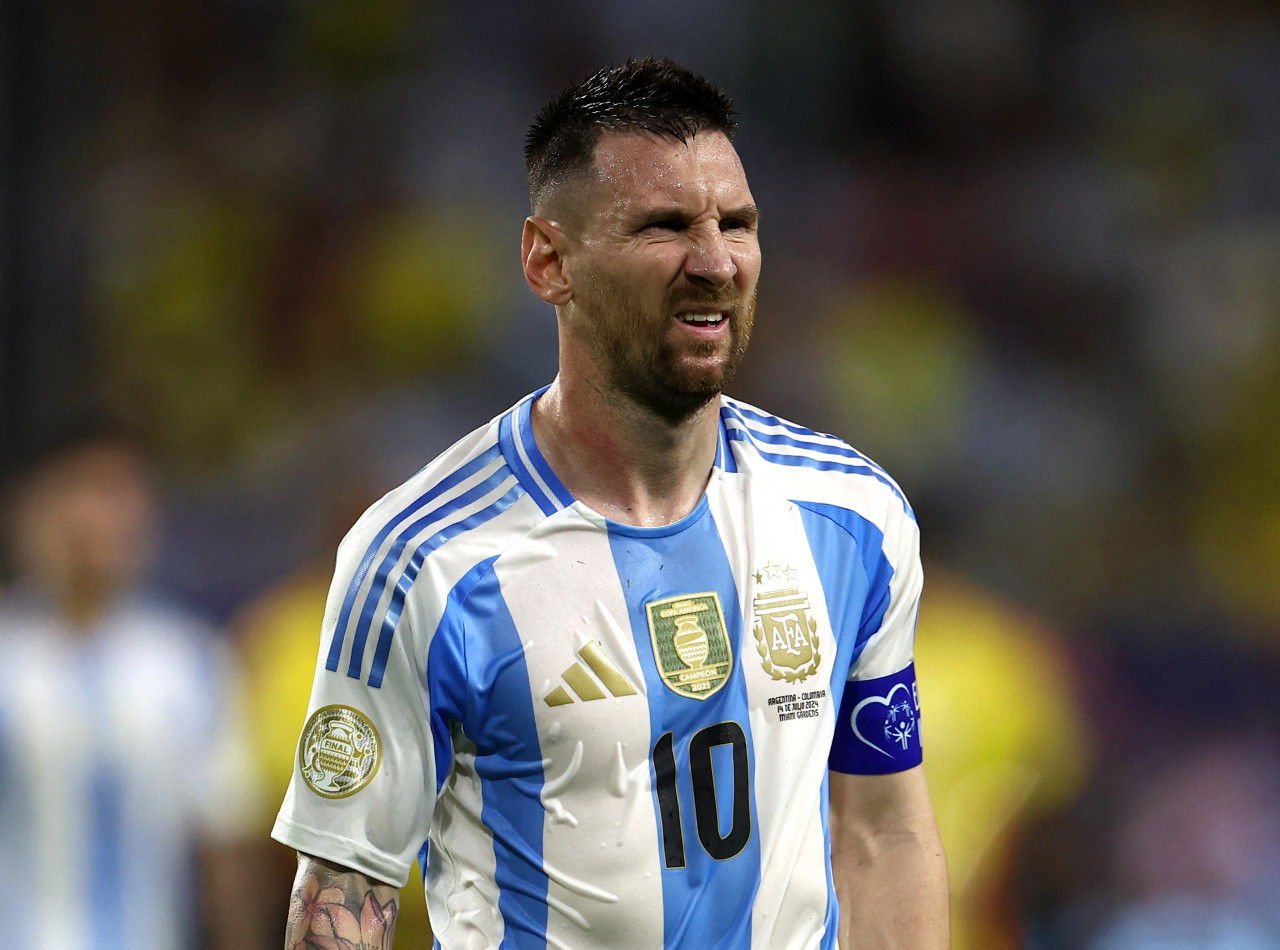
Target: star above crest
<point>773,571</point>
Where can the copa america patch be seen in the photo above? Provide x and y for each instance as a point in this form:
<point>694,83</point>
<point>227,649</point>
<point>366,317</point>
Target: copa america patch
<point>878,729</point>
<point>339,752</point>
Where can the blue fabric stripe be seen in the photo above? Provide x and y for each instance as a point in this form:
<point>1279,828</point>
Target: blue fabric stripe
<point>107,832</point>
<point>353,590</point>
<point>857,593</point>
<point>447,684</point>
<point>432,518</point>
<point>447,669</point>
<point>530,445</point>
<point>392,617</point>
<point>108,930</point>
<point>654,567</point>
<point>507,438</point>
<point>744,412</point>
<point>831,922</point>
<point>802,438</point>
<point>855,581</point>
<point>500,721</point>
<point>823,465</point>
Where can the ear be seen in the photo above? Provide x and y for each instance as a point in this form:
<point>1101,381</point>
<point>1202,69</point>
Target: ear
<point>541,245</point>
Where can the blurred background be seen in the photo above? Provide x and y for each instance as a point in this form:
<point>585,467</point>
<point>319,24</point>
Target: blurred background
<point>1024,254</point>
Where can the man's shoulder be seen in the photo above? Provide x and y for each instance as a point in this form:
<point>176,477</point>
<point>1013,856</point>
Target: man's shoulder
<point>468,489</point>
<point>810,465</point>
<point>476,451</point>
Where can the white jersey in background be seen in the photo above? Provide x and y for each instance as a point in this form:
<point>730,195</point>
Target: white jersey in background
<point>123,750</point>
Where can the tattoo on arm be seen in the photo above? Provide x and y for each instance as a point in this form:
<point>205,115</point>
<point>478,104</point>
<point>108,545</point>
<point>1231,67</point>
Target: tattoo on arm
<point>337,907</point>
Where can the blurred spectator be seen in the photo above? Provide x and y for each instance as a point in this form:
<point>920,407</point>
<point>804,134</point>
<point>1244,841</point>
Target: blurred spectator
<point>122,753</point>
<point>1006,743</point>
<point>1196,854</point>
<point>1176,843</point>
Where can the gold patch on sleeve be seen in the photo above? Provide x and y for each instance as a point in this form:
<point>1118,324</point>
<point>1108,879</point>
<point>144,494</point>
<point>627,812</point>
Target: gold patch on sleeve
<point>339,752</point>
<point>690,643</point>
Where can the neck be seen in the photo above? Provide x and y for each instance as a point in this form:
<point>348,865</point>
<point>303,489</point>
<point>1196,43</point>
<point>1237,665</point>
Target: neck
<point>82,600</point>
<point>622,460</point>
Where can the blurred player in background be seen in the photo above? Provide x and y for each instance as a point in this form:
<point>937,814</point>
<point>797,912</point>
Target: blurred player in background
<point>122,753</point>
<point>635,659</point>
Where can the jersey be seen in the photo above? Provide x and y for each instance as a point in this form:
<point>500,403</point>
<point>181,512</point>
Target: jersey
<point>607,735</point>
<point>122,750</point>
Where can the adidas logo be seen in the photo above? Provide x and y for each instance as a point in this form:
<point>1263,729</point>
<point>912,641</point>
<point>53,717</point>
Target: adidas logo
<point>581,682</point>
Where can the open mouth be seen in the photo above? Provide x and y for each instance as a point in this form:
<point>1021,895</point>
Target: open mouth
<point>701,319</point>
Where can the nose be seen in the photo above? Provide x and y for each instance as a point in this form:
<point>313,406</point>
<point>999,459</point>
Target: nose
<point>709,259</point>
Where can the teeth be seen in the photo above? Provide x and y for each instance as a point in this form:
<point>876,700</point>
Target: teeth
<point>702,319</point>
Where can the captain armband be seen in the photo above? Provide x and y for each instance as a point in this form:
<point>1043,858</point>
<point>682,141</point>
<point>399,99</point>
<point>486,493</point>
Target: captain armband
<point>878,727</point>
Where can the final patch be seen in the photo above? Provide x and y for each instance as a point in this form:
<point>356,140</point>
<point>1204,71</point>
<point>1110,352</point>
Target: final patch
<point>339,752</point>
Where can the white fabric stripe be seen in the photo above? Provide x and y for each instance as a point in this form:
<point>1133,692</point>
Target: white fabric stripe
<point>471,917</point>
<point>826,450</point>
<point>410,548</point>
<point>792,839</point>
<point>611,751</point>
<point>517,437</point>
<point>58,785</point>
<point>887,652</point>
<point>390,508</point>
<point>867,496</point>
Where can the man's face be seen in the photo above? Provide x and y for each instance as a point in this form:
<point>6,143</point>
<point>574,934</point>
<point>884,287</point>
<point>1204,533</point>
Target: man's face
<point>87,520</point>
<point>664,268</point>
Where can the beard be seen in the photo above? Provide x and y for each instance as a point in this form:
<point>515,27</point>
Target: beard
<point>644,363</point>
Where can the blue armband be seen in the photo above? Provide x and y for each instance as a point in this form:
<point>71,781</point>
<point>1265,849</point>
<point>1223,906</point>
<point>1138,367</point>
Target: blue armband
<point>878,728</point>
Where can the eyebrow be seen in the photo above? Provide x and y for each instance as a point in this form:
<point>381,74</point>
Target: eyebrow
<point>749,213</point>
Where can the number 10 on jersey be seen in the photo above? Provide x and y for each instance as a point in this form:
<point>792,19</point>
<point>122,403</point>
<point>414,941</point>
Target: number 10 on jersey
<point>702,779</point>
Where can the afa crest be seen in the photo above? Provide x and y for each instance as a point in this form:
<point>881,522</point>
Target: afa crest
<point>786,636</point>
<point>690,644</point>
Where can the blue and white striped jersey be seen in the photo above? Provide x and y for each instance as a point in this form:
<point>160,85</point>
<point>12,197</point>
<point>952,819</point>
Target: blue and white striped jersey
<point>612,736</point>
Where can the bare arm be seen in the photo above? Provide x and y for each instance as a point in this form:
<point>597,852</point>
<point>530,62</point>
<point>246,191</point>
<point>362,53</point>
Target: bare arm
<point>890,873</point>
<point>332,904</point>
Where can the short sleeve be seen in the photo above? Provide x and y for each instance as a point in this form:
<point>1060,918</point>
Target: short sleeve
<point>363,787</point>
<point>878,725</point>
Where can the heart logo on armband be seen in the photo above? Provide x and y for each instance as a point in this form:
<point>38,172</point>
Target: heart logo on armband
<point>890,724</point>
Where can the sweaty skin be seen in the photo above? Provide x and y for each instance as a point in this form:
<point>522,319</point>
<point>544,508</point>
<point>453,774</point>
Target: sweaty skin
<point>653,274</point>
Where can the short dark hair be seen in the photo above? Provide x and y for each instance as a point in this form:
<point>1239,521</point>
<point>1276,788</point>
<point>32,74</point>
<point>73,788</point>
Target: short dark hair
<point>641,95</point>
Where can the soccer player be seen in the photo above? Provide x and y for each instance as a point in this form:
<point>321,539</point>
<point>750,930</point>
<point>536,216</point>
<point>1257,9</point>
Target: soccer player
<point>127,787</point>
<point>634,659</point>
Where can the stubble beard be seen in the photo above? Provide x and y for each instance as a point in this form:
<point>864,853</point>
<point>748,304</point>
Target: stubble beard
<point>641,364</point>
